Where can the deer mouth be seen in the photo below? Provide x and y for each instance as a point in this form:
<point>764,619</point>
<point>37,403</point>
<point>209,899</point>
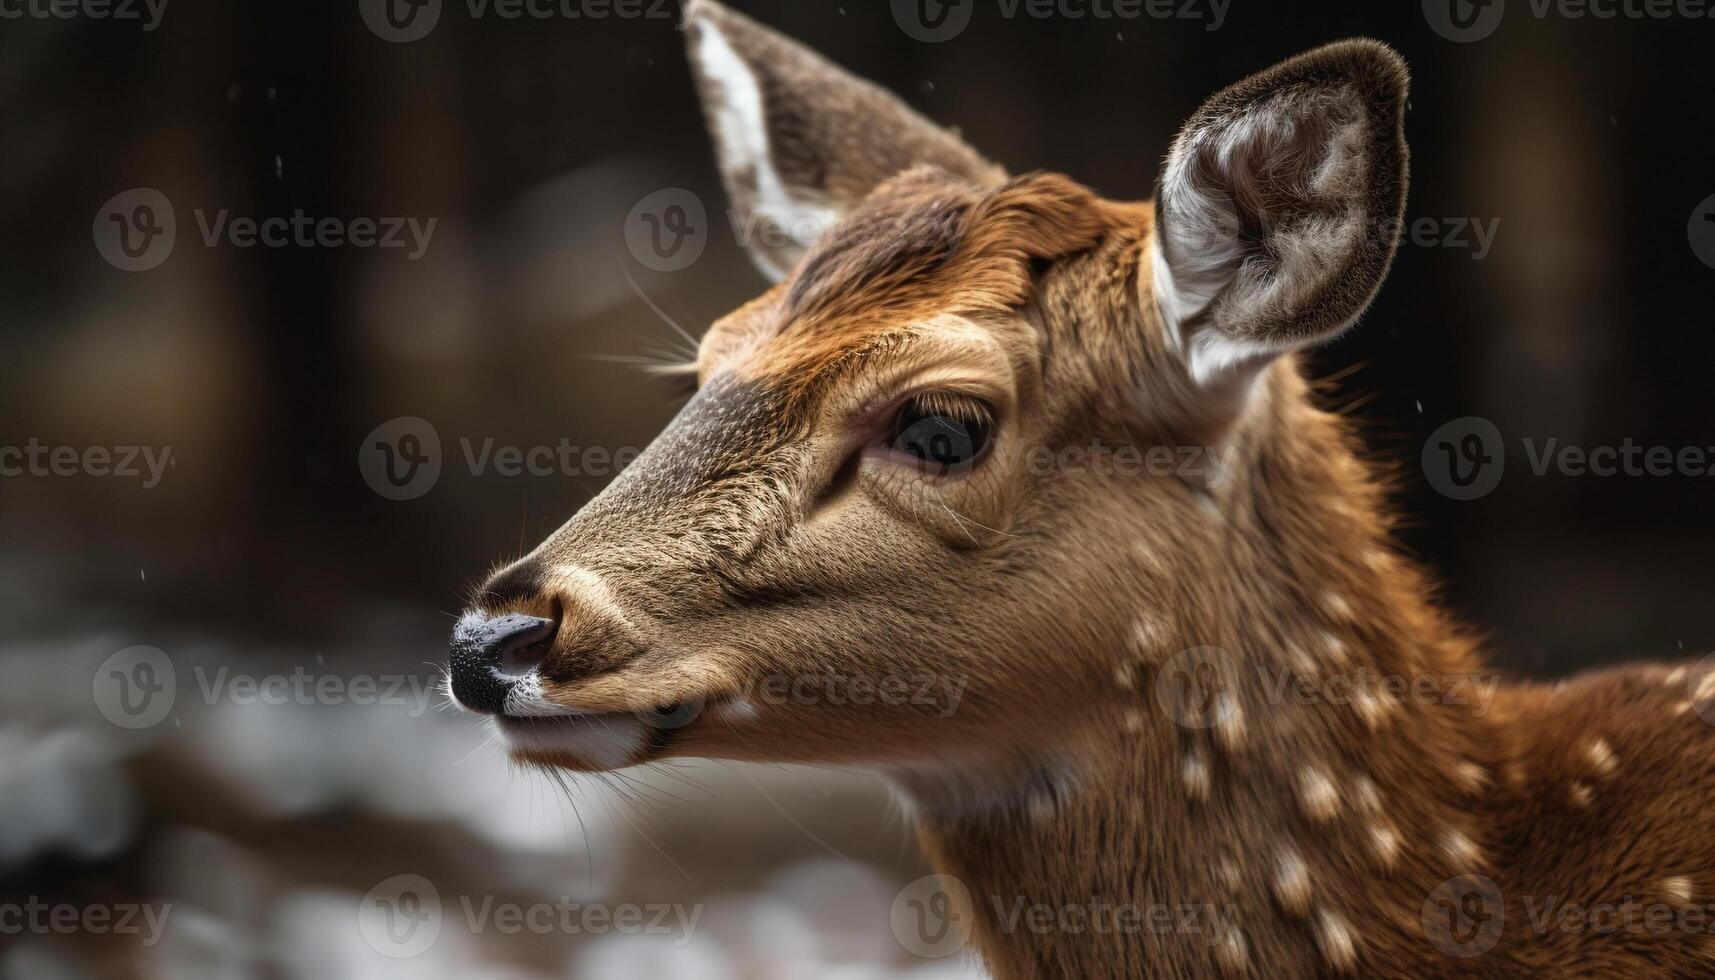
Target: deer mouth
<point>595,740</point>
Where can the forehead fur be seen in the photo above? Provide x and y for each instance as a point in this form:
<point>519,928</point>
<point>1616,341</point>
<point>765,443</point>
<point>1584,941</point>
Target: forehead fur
<point>922,244</point>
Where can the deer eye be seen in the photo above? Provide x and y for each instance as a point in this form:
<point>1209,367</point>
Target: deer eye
<point>943,433</point>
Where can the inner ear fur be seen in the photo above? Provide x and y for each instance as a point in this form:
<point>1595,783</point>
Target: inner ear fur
<point>1280,205</point>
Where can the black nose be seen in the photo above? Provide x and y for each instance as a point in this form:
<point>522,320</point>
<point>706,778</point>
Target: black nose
<point>488,655</point>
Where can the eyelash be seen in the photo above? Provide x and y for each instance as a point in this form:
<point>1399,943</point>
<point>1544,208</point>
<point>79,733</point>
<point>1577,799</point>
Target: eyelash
<point>943,432</point>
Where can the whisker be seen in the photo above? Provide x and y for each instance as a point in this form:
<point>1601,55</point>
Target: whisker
<point>665,318</point>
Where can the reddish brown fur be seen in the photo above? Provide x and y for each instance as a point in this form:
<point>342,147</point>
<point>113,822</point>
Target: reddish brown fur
<point>1319,834</point>
<point>923,244</point>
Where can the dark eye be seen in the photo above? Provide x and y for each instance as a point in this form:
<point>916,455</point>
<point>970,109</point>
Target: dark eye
<point>944,433</point>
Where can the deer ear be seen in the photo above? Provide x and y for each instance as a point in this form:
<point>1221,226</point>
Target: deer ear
<point>799,139</point>
<point>1279,208</point>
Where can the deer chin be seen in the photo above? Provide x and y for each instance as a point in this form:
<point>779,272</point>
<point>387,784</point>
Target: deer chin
<point>585,741</point>
<point>626,718</point>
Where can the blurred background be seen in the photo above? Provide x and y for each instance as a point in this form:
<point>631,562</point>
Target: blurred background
<point>216,672</point>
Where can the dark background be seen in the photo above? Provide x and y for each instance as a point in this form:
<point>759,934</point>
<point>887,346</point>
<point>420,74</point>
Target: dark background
<point>530,140</point>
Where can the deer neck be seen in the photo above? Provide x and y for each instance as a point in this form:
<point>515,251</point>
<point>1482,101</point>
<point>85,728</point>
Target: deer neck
<point>1249,788</point>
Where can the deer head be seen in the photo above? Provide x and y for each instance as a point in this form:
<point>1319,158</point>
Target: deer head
<point>978,426</point>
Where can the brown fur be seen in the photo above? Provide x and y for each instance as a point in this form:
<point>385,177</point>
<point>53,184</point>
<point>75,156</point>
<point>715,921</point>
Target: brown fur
<point>764,536</point>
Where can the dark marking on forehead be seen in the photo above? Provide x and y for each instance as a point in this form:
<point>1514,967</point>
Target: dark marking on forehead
<point>725,430</point>
<point>904,236</point>
<point>921,244</point>
<point>926,241</point>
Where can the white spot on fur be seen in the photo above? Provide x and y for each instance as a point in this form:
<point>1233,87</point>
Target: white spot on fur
<point>1196,774</point>
<point>1229,722</point>
<point>1292,882</point>
<point>1470,776</point>
<point>1335,938</point>
<point>1580,794</point>
<point>1677,889</point>
<point>1601,755</point>
<point>1229,872</point>
<point>1316,794</point>
<point>1705,687</point>
<point>1676,677</point>
<point>1123,677</point>
<point>1368,797</point>
<point>1384,841</point>
<point>1372,710</point>
<point>1302,663</point>
<point>1232,950</point>
<point>1337,606</point>
<point>1148,634</point>
<point>1460,849</point>
<point>1335,647</point>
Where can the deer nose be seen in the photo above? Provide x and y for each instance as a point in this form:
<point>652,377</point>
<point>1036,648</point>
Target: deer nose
<point>490,653</point>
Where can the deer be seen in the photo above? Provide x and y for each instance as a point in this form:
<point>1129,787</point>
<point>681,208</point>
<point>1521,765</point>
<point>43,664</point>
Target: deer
<point>1220,681</point>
